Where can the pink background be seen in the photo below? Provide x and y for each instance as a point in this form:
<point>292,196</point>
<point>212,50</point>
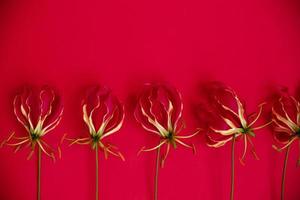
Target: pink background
<point>251,46</point>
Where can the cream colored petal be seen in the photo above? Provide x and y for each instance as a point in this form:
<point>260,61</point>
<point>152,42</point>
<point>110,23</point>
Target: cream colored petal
<point>284,110</point>
<point>170,111</point>
<point>219,143</point>
<point>262,126</point>
<point>29,113</point>
<point>228,132</point>
<point>18,143</point>
<point>229,122</point>
<point>188,136</point>
<point>153,148</point>
<point>166,155</point>
<point>241,112</point>
<point>114,129</point>
<point>180,111</point>
<point>87,121</point>
<point>53,124</point>
<point>258,115</point>
<point>226,108</point>
<point>16,114</point>
<point>42,148</point>
<point>290,124</point>
<point>183,144</point>
<point>242,159</point>
<point>285,146</point>
<point>297,104</point>
<point>155,123</point>
<point>50,107</point>
<point>105,122</point>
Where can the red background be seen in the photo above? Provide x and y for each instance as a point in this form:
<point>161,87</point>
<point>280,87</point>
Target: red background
<point>251,46</point>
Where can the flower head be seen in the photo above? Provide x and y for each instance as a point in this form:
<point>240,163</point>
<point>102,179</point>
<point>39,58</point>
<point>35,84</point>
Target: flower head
<point>237,123</point>
<point>286,118</point>
<point>103,115</point>
<point>39,113</point>
<point>159,111</point>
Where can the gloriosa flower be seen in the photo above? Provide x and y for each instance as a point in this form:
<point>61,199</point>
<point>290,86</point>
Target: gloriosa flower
<point>104,115</point>
<point>286,118</point>
<point>159,110</point>
<point>238,125</point>
<point>39,114</point>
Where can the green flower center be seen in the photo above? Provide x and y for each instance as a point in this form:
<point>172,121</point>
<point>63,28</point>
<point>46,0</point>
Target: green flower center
<point>34,136</point>
<point>171,138</point>
<point>247,130</point>
<point>298,132</point>
<point>95,138</point>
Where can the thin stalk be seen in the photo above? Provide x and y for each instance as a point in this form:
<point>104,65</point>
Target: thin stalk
<point>97,174</point>
<point>232,168</point>
<point>284,171</point>
<point>156,175</point>
<point>39,174</point>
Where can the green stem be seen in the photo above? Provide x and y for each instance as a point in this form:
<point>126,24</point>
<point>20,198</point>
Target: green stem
<point>284,171</point>
<point>232,168</point>
<point>39,174</point>
<point>156,175</point>
<point>97,173</point>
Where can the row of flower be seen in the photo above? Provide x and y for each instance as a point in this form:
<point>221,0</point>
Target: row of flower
<point>159,110</point>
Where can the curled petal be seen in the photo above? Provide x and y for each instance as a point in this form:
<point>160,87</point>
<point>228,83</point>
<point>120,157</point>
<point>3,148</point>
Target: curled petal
<point>297,104</point>
<point>169,111</point>
<point>53,124</point>
<point>114,123</point>
<point>229,122</point>
<point>285,121</point>
<point>185,145</point>
<point>166,155</point>
<point>44,113</point>
<point>18,143</point>
<point>180,127</point>
<point>20,114</point>
<point>252,148</point>
<point>115,129</point>
<point>112,150</point>
<point>262,126</point>
<point>8,139</point>
<point>285,146</point>
<point>153,148</point>
<point>59,146</point>
<point>30,154</point>
<point>231,131</point>
<point>50,154</point>
<point>87,118</point>
<point>241,111</point>
<point>258,115</point>
<point>218,143</point>
<point>138,116</point>
<point>86,140</point>
<point>188,136</point>
<point>282,137</point>
<point>226,108</point>
<point>27,114</point>
<point>280,127</point>
<point>155,123</point>
<point>242,159</point>
<point>284,110</point>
